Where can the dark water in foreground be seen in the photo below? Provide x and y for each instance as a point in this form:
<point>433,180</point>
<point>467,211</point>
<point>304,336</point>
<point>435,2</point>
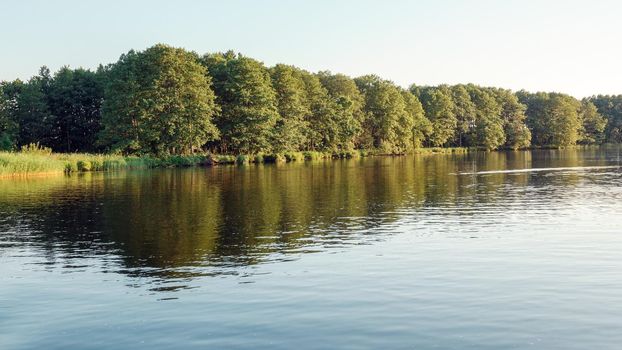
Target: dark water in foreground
<point>411,252</point>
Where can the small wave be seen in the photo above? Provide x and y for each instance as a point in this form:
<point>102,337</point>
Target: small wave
<point>577,168</point>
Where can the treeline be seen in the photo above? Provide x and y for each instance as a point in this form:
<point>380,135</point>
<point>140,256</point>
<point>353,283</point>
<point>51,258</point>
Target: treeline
<point>166,100</point>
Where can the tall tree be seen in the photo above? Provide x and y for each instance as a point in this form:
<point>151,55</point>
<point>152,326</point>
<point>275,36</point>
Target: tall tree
<point>465,112</point>
<point>439,109</point>
<point>553,118</point>
<point>610,107</point>
<point>421,126</point>
<point>293,108</point>
<point>32,113</point>
<point>349,107</point>
<point>9,126</point>
<point>488,132</point>
<point>323,131</point>
<point>249,106</point>
<point>517,134</point>
<point>158,101</point>
<point>386,115</point>
<point>74,100</point>
<point>593,124</point>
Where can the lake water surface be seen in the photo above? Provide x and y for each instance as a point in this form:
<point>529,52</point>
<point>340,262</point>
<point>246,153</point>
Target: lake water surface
<point>472,251</point>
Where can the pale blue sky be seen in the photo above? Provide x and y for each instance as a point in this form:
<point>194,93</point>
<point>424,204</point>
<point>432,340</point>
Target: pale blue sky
<point>569,46</point>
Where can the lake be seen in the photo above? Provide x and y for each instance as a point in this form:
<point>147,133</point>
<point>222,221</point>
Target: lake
<point>500,250</point>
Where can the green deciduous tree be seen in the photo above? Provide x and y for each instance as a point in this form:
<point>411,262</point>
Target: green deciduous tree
<point>593,124</point>
<point>31,113</point>
<point>249,105</point>
<point>388,124</point>
<point>290,130</point>
<point>323,130</point>
<point>610,107</point>
<point>440,110</point>
<point>9,127</point>
<point>60,111</point>
<point>74,100</point>
<point>348,108</point>
<point>421,126</point>
<point>465,112</point>
<point>517,134</point>
<point>553,118</point>
<point>158,101</point>
<point>488,131</point>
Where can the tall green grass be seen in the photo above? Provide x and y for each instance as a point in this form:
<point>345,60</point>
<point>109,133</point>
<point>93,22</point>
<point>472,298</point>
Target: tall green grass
<point>35,160</point>
<point>22,163</point>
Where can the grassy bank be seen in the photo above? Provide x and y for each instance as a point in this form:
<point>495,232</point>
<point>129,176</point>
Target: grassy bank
<point>28,163</point>
<point>37,161</point>
<point>18,163</point>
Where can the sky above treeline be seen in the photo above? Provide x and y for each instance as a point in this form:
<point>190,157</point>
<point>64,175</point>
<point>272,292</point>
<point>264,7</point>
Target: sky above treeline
<point>566,46</point>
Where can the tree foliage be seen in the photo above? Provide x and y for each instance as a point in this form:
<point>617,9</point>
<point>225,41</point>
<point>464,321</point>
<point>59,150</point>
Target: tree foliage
<point>388,125</point>
<point>158,101</point>
<point>517,134</point>
<point>593,124</point>
<point>166,100</point>
<point>610,107</point>
<point>488,130</point>
<point>419,126</point>
<point>248,102</point>
<point>290,89</point>
<point>323,130</point>
<point>8,124</point>
<point>348,108</point>
<point>553,118</point>
<point>465,112</point>
<point>74,100</point>
<point>440,110</point>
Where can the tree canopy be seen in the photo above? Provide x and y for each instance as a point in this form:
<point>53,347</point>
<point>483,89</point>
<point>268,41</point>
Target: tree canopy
<point>248,102</point>
<point>610,107</point>
<point>167,100</point>
<point>158,101</point>
<point>440,110</point>
<point>294,111</point>
<point>553,118</point>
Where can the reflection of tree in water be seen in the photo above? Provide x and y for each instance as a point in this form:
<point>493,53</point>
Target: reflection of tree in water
<point>184,223</point>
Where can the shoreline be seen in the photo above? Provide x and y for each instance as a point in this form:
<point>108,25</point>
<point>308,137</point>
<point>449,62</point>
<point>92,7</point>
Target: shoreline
<point>33,164</point>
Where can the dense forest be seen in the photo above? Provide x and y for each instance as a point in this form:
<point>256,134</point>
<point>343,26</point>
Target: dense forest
<point>166,100</point>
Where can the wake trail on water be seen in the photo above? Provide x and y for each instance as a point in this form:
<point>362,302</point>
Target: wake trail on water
<point>531,170</point>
